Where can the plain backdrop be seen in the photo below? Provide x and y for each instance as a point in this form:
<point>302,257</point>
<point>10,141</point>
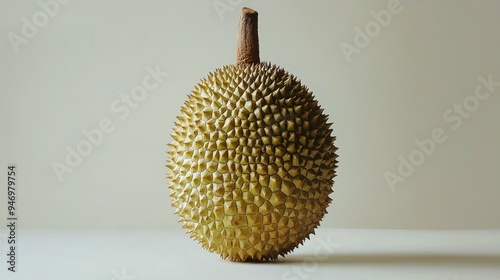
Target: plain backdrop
<point>392,89</point>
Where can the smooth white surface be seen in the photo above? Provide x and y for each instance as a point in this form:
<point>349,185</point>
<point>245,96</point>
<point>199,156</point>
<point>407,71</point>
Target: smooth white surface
<point>331,254</point>
<point>394,91</point>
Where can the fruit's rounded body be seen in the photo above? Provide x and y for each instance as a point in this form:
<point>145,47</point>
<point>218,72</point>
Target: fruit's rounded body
<point>251,163</point>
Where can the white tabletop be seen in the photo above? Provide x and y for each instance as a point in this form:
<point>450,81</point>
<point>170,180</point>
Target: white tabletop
<point>342,254</point>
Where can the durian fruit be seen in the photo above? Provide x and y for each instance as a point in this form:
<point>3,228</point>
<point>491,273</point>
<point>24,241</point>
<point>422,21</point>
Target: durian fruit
<point>252,159</point>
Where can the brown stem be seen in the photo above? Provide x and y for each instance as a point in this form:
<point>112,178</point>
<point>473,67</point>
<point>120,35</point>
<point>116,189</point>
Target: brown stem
<point>247,44</point>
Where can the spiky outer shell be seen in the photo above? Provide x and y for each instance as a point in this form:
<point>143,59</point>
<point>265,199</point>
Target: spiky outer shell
<point>252,163</point>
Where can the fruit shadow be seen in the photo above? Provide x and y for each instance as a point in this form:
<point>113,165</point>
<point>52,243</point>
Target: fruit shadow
<point>394,259</point>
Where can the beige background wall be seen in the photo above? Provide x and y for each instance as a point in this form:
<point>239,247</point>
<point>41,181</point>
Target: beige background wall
<point>412,77</point>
